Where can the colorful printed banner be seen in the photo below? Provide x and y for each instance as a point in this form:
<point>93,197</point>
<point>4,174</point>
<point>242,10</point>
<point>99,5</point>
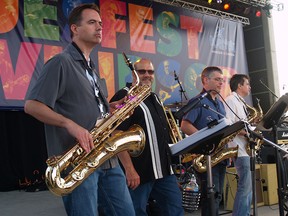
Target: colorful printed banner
<point>178,41</point>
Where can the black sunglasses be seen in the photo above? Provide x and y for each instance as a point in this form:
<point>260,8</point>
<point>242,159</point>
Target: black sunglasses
<point>142,72</point>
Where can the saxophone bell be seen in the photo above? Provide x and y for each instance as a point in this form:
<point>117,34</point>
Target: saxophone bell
<point>67,172</point>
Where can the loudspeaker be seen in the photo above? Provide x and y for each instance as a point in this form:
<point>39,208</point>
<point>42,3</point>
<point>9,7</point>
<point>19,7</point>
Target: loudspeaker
<point>230,187</point>
<point>270,184</point>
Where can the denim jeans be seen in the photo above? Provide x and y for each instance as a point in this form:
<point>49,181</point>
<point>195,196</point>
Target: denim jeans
<point>218,175</point>
<point>243,199</point>
<point>106,187</point>
<point>166,193</point>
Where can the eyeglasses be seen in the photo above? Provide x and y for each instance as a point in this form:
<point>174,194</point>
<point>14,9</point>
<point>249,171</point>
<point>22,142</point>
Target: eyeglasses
<point>218,79</point>
<point>142,72</point>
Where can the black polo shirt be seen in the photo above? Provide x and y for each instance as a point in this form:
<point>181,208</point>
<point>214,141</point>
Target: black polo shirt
<point>154,162</point>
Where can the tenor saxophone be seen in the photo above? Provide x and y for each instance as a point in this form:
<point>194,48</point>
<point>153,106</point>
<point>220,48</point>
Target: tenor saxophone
<point>254,117</point>
<point>222,153</point>
<point>76,165</point>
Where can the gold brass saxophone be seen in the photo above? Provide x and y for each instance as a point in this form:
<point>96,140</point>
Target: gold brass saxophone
<point>222,153</point>
<point>174,131</point>
<point>254,117</point>
<point>82,164</point>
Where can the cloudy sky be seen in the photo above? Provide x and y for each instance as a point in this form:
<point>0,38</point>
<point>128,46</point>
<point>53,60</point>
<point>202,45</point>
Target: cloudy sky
<point>280,24</point>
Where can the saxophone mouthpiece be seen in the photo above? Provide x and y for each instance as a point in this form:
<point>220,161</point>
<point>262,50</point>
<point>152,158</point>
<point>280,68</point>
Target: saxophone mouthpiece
<point>131,66</point>
<point>124,55</point>
<point>127,61</point>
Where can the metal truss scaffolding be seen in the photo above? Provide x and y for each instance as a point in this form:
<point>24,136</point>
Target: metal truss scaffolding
<point>205,10</point>
<point>270,4</point>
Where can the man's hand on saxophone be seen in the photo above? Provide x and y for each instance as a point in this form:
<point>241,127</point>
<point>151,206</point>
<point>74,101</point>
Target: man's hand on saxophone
<point>116,104</point>
<point>45,114</point>
<point>82,135</point>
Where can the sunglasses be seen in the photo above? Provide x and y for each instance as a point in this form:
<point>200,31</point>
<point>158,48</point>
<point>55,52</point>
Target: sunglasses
<point>142,72</point>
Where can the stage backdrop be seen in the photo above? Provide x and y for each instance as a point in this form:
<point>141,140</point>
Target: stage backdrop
<point>177,40</point>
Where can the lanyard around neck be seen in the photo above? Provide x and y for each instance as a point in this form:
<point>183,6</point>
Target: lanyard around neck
<point>93,80</point>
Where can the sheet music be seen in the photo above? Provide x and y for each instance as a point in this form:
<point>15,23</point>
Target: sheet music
<point>199,135</point>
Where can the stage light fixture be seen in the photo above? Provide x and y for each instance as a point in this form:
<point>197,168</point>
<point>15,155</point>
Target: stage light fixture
<point>209,1</point>
<point>258,13</point>
<point>226,6</point>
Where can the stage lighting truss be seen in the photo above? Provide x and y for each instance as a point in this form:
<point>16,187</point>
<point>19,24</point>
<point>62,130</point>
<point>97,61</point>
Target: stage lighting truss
<point>270,4</point>
<point>205,10</point>
<point>256,3</point>
<point>265,5</point>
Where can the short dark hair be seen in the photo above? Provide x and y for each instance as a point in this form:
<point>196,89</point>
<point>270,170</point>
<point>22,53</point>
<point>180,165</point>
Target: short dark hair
<point>75,15</point>
<point>237,79</point>
<point>208,70</point>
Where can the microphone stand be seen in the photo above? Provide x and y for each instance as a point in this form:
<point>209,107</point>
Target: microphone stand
<point>281,192</point>
<point>271,120</point>
<point>268,89</point>
<point>182,91</point>
<point>252,144</point>
<point>208,107</point>
<point>210,187</point>
<point>185,109</point>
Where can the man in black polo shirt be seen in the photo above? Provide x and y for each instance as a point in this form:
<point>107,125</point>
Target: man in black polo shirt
<point>150,174</point>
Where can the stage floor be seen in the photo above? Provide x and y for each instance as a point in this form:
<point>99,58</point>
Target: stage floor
<point>43,203</point>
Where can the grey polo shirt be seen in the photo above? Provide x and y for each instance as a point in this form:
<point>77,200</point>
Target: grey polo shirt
<point>64,87</point>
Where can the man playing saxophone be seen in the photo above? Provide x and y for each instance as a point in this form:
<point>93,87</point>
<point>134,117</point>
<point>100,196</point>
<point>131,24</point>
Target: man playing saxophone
<point>69,98</point>
<point>240,87</point>
<point>200,117</point>
<point>150,175</point>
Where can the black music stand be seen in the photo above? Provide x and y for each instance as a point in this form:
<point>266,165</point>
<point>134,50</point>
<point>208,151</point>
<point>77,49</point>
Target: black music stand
<point>207,146</point>
<point>252,144</point>
<point>270,121</point>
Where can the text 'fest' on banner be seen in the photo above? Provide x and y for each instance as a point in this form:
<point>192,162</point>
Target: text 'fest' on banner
<point>177,40</point>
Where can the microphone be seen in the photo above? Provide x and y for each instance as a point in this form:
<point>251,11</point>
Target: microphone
<point>185,109</point>
<point>268,89</point>
<point>209,108</point>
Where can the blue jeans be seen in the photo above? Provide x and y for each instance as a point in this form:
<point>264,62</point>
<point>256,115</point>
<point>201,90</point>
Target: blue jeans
<point>166,193</point>
<point>243,199</point>
<point>218,175</point>
<point>114,197</point>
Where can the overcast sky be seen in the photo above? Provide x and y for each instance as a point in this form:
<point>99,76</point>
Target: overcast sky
<point>280,24</point>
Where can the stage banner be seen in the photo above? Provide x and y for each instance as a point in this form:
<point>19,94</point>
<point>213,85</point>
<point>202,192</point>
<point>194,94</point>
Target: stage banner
<point>180,43</point>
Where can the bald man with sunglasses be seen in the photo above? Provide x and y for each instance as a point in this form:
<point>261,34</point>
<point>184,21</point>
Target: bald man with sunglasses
<point>150,174</point>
